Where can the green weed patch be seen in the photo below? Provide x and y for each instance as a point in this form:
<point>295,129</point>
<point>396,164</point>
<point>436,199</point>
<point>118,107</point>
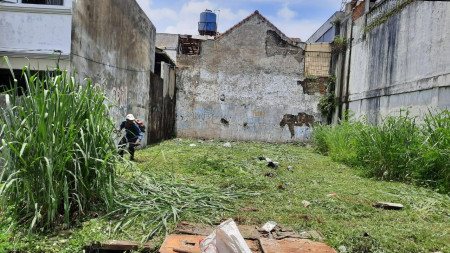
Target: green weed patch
<point>399,148</point>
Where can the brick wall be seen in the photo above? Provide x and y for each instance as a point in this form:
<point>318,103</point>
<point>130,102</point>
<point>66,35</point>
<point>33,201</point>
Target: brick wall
<point>358,11</point>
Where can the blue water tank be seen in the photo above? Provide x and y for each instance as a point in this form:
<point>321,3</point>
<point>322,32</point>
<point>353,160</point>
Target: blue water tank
<point>207,24</point>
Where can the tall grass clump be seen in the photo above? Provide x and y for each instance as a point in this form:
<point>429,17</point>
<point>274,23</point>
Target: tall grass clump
<point>337,141</point>
<point>57,150</point>
<point>433,167</point>
<point>389,150</point>
<point>400,148</point>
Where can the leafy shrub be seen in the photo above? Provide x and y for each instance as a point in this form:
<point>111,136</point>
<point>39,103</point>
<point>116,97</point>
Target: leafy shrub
<point>57,149</point>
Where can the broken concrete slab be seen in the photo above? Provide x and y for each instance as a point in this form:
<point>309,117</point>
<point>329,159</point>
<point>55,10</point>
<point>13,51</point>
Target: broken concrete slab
<point>388,206</point>
<point>292,245</point>
<point>269,226</point>
<point>182,244</point>
<point>191,244</point>
<point>248,232</point>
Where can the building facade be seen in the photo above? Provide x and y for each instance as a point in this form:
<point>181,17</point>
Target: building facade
<point>245,84</point>
<point>35,33</point>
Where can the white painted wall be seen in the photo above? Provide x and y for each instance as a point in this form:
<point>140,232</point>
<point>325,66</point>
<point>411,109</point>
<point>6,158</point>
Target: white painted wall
<point>35,31</point>
<point>403,63</point>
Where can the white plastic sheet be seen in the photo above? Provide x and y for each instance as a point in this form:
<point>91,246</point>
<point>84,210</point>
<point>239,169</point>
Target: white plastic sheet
<point>225,239</point>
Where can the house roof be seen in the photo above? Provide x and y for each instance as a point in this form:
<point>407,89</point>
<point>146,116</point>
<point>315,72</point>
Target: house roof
<point>256,13</point>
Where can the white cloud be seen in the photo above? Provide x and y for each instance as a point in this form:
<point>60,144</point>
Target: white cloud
<point>286,13</point>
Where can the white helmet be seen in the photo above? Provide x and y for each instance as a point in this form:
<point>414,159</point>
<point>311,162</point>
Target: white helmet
<point>130,117</point>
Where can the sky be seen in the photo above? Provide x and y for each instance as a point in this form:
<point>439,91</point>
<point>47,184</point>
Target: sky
<point>296,18</point>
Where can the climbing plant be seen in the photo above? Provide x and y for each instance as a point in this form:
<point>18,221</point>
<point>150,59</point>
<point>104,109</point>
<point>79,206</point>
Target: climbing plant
<point>328,103</point>
<point>385,17</point>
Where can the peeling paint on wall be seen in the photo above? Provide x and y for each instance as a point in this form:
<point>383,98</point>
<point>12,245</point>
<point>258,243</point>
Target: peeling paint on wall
<point>314,85</point>
<point>275,45</point>
<point>296,120</point>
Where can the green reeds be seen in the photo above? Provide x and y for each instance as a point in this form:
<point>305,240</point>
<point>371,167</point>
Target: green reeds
<point>57,150</point>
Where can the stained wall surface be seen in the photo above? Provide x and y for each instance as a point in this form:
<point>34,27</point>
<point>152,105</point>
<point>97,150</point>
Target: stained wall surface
<point>245,86</point>
<point>113,43</point>
<point>403,63</point>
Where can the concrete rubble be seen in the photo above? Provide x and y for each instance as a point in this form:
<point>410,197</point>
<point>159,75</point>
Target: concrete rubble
<point>187,236</point>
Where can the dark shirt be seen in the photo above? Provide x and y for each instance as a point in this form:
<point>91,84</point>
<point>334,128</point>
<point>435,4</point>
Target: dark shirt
<point>133,132</point>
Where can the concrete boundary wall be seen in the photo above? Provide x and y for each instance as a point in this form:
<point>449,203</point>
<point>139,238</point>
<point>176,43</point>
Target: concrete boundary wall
<point>113,44</point>
<point>402,63</point>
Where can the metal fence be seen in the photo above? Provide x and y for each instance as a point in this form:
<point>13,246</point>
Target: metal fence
<point>317,63</point>
<point>383,8</point>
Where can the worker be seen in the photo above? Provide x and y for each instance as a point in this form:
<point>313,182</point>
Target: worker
<point>133,135</point>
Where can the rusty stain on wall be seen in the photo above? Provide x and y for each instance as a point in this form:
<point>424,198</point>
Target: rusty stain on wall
<point>297,120</point>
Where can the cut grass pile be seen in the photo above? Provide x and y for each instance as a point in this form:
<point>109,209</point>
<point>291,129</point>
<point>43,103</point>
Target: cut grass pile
<point>158,203</point>
<point>346,220</point>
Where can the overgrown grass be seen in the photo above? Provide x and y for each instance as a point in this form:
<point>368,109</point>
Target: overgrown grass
<point>57,150</point>
<point>399,148</point>
<point>346,220</point>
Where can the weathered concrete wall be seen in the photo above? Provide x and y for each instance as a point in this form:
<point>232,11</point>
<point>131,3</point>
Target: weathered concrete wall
<point>402,63</point>
<point>244,86</point>
<point>113,43</point>
<point>162,105</point>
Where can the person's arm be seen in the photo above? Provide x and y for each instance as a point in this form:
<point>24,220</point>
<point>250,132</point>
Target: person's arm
<point>122,125</point>
<point>141,135</point>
